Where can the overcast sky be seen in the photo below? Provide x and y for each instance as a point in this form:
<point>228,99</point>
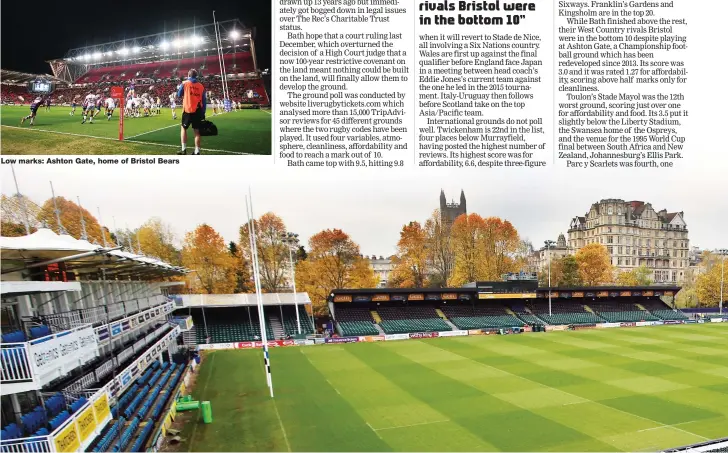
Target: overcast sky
<point>372,206</point>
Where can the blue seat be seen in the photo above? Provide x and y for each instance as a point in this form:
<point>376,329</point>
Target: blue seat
<point>39,331</point>
<point>17,336</point>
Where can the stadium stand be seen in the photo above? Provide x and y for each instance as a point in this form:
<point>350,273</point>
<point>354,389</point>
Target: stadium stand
<point>481,316</point>
<point>563,313</point>
<point>616,311</point>
<point>103,342</point>
<point>355,321</point>
<point>413,318</point>
<point>662,311</point>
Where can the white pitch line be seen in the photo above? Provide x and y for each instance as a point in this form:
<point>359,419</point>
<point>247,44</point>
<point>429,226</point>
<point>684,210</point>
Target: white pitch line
<point>407,426</point>
<point>127,140</point>
<point>149,132</point>
<point>567,393</point>
<point>332,386</point>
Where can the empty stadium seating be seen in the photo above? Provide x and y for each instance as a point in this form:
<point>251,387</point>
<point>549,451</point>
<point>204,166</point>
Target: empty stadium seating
<point>411,319</point>
<point>662,311</point>
<point>290,325</point>
<point>480,316</point>
<point>563,313</point>
<point>355,321</point>
<point>140,409</point>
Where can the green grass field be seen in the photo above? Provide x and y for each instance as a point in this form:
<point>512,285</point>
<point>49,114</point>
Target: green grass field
<point>640,389</point>
<point>55,132</point>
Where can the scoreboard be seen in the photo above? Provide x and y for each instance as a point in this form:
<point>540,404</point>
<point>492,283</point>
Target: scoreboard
<point>41,86</point>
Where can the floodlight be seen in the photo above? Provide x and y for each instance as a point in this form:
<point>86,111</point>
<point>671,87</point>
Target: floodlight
<point>177,43</point>
<point>124,51</point>
<point>234,34</point>
<point>97,55</point>
<point>164,45</point>
<point>87,57</point>
<point>135,49</point>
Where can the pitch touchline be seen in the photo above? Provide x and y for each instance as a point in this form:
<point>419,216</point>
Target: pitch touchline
<point>149,132</point>
<point>130,141</point>
<point>407,426</point>
<point>666,426</point>
<point>567,393</point>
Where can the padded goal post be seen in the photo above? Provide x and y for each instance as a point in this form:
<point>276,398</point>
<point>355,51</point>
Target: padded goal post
<point>118,94</point>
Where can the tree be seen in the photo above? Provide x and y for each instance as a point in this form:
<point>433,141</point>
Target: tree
<point>410,262</point>
<point>708,283</point>
<point>241,269</point>
<point>273,259</point>
<point>70,214</point>
<point>468,245</point>
<point>439,248</point>
<point>15,211</point>
<point>157,239</point>
<point>595,267</point>
<point>334,262</point>
<point>569,272</point>
<point>501,247</point>
<point>640,276</point>
<point>206,253</point>
<point>484,249</point>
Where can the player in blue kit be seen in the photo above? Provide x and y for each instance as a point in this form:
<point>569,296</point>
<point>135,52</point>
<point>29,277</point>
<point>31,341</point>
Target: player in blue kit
<point>73,107</point>
<point>34,106</point>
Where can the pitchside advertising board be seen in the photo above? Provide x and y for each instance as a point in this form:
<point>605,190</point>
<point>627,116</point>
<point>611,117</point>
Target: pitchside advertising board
<point>79,431</point>
<point>64,352</point>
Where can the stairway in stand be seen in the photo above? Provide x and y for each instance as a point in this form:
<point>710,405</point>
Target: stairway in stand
<point>189,337</point>
<point>277,326</point>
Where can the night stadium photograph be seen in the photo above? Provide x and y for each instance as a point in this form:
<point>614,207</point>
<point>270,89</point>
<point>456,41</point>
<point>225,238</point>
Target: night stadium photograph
<point>137,78</point>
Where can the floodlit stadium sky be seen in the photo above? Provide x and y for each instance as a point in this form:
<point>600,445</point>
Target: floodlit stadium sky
<point>373,205</point>
<point>31,36</point>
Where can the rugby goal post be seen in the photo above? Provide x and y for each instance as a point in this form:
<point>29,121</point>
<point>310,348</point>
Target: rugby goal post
<point>118,94</point>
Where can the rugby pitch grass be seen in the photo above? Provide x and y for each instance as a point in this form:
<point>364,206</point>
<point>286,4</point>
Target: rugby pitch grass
<point>640,389</point>
<point>56,132</point>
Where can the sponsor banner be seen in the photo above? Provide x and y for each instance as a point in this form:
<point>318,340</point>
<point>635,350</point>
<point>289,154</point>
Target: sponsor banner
<point>423,335</point>
<point>556,328</point>
<point>101,408</point>
<point>203,347</point>
<point>475,332</point>
<point>397,336</point>
<point>299,342</point>
<point>527,328</point>
<point>672,321</point>
<point>371,338</point>
<point>416,297</point>
<point>336,340</point>
<point>716,319</point>
<point>656,323</point>
<point>701,321</point>
<point>342,298</point>
<point>64,351</point>
<point>691,321</point>
<point>454,333</point>
<point>627,324</point>
<point>607,325</point>
<point>86,423</point>
<point>583,326</point>
<point>309,342</point>
<point>643,323</point>
<point>67,439</point>
<point>380,298</point>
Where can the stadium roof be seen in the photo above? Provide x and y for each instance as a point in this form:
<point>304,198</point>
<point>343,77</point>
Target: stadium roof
<point>167,44</point>
<point>15,77</point>
<point>45,246</point>
<point>239,300</point>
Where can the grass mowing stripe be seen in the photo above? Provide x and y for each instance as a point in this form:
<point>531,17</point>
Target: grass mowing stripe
<point>476,411</point>
<point>613,408</point>
<point>204,393</point>
<point>316,416</point>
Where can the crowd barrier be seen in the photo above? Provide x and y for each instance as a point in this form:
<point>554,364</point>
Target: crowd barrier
<point>77,433</point>
<point>448,333</point>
